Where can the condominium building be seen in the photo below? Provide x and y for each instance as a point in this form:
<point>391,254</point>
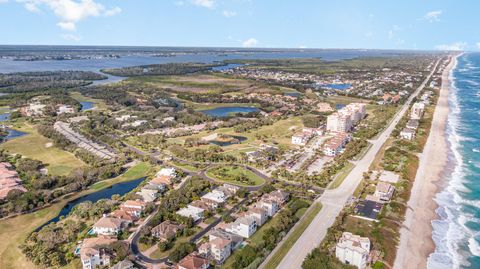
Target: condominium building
<point>346,118</point>
<point>417,111</point>
<point>353,249</point>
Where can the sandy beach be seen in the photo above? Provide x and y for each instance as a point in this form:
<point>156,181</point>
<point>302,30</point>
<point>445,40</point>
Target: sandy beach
<point>416,242</point>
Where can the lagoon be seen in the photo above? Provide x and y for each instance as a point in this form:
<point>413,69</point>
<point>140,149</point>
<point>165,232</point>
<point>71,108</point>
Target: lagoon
<point>121,189</point>
<point>228,111</point>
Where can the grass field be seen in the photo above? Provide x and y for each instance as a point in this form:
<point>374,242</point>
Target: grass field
<point>340,177</point>
<point>35,146</point>
<point>293,237</point>
<point>229,174</point>
<point>13,231</point>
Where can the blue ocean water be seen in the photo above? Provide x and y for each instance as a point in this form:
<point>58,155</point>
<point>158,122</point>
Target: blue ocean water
<point>457,231</point>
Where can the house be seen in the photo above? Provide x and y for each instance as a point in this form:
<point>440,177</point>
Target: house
<point>243,226</point>
<point>413,124</point>
<point>270,206</point>
<point>123,215</point>
<point>229,189</point>
<point>125,264</point>
<point>191,212</point>
<point>64,109</point>
<point>301,138</point>
<point>384,191</point>
<point>408,134</point>
<point>193,261</point>
<point>201,205</point>
<point>169,172</point>
<point>353,250</point>
<point>166,230</point>
<point>278,196</point>
<point>220,249</point>
<point>33,109</point>
<point>94,252</point>
<point>147,195</point>
<point>220,233</point>
<point>108,226</point>
<point>259,214</point>
<point>162,181</point>
<point>134,208</point>
<point>214,198</point>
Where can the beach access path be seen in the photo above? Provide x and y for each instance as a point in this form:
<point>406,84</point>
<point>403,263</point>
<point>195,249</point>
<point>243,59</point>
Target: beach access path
<point>334,200</point>
<point>416,242</point>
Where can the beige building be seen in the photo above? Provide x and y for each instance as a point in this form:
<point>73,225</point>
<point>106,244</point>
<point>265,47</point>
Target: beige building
<point>353,249</point>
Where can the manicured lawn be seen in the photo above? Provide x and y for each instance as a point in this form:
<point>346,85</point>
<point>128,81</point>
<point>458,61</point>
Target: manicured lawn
<point>4,109</point>
<point>186,166</point>
<point>35,146</point>
<point>231,174</point>
<point>13,231</point>
<point>139,170</point>
<point>340,177</point>
<point>293,237</point>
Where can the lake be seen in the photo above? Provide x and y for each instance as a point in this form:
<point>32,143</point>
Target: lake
<point>87,105</point>
<point>121,188</point>
<point>226,111</point>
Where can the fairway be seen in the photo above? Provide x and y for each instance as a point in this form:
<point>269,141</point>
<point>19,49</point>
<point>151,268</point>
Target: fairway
<point>35,146</point>
<point>235,175</point>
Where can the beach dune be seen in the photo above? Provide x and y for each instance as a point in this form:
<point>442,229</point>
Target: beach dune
<point>416,242</point>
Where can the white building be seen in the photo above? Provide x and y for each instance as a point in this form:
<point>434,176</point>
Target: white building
<point>62,109</point>
<point>384,191</point>
<point>108,226</point>
<point>337,122</point>
<point>417,111</point>
<point>301,138</point>
<point>259,214</point>
<point>148,195</point>
<point>93,254</point>
<point>353,249</point>
<point>270,206</point>
<point>214,198</point>
<point>244,227</point>
<point>191,212</point>
<point>168,172</point>
<point>407,133</point>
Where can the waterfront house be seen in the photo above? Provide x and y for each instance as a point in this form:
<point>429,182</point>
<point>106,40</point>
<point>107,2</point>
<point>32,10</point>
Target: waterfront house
<point>353,250</point>
<point>108,226</point>
<point>94,252</point>
<point>407,133</point>
<point>384,191</point>
<point>133,207</point>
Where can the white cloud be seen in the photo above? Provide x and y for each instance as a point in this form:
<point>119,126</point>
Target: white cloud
<point>228,14</point>
<point>454,46</point>
<point>71,37</point>
<point>204,3</point>
<point>70,12</point>
<point>112,12</point>
<point>478,45</point>
<point>433,16</point>
<point>251,42</point>
<point>3,1</point>
<point>69,26</point>
<point>179,3</point>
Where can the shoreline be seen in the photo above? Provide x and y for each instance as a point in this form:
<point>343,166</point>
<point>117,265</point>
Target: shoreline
<point>416,242</point>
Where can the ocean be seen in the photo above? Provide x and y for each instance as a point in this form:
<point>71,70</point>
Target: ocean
<point>457,231</point>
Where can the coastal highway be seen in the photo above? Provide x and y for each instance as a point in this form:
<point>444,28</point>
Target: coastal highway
<point>333,201</point>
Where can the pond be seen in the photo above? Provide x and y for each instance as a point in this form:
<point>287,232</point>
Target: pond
<point>229,110</point>
<point>87,105</point>
<point>121,188</point>
<point>340,87</point>
<point>235,139</point>
<point>12,134</point>
<point>4,117</point>
<point>226,67</point>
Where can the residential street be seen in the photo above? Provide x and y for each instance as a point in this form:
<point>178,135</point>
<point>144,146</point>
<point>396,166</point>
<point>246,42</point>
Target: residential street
<point>334,200</point>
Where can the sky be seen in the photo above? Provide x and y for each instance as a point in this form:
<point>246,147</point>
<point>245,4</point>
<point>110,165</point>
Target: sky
<point>369,24</point>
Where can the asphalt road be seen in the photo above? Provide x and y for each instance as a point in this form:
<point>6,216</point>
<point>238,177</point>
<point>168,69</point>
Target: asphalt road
<point>333,201</point>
